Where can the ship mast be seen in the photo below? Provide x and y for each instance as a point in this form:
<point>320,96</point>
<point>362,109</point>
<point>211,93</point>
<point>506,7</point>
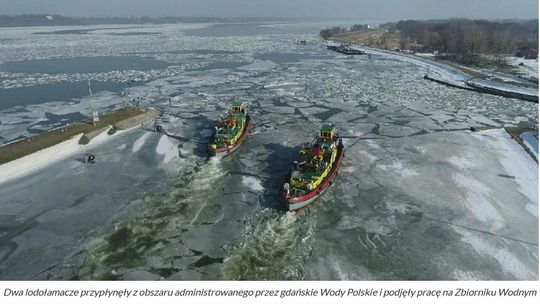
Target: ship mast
<point>95,116</point>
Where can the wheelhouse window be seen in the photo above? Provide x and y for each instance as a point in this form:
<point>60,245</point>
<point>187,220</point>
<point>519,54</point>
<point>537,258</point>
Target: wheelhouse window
<point>325,134</point>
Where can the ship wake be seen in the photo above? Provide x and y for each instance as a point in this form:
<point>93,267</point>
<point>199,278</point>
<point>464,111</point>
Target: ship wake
<point>152,243</point>
<point>275,247</point>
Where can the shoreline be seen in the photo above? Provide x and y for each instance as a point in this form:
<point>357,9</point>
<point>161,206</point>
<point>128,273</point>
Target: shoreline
<point>451,75</point>
<point>39,158</point>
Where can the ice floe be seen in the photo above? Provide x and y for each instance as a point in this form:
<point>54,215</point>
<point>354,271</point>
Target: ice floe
<point>167,148</point>
<point>253,183</point>
<point>137,145</point>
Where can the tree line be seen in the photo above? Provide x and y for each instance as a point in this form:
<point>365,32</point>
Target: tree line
<point>464,40</point>
<point>332,31</point>
<point>335,30</point>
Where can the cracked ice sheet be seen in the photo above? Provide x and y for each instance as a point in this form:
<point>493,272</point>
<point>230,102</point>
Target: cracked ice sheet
<point>355,129</point>
<point>422,199</point>
<point>401,233</point>
<point>15,123</point>
<point>259,66</point>
<point>310,110</point>
<point>342,117</point>
<point>123,193</point>
<point>394,130</point>
<point>430,124</point>
<point>484,120</point>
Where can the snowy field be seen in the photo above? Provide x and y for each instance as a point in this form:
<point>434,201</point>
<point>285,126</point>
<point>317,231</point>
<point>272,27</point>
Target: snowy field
<point>527,68</point>
<point>419,198</point>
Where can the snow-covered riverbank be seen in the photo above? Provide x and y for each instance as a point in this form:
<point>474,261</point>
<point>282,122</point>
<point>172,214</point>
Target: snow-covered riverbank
<point>448,74</point>
<point>43,158</point>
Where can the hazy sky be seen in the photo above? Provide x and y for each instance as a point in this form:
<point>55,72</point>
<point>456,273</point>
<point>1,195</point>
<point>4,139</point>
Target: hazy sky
<point>329,9</point>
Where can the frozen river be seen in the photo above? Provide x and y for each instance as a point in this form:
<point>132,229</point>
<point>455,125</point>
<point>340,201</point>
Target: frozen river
<point>420,197</point>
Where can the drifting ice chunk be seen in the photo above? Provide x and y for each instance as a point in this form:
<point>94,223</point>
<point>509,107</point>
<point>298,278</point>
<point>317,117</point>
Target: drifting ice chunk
<point>167,148</point>
<point>253,183</point>
<point>137,145</point>
<point>396,130</point>
<point>484,120</point>
<point>441,117</point>
<point>281,110</point>
<point>259,66</point>
<point>141,275</point>
<point>311,110</point>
